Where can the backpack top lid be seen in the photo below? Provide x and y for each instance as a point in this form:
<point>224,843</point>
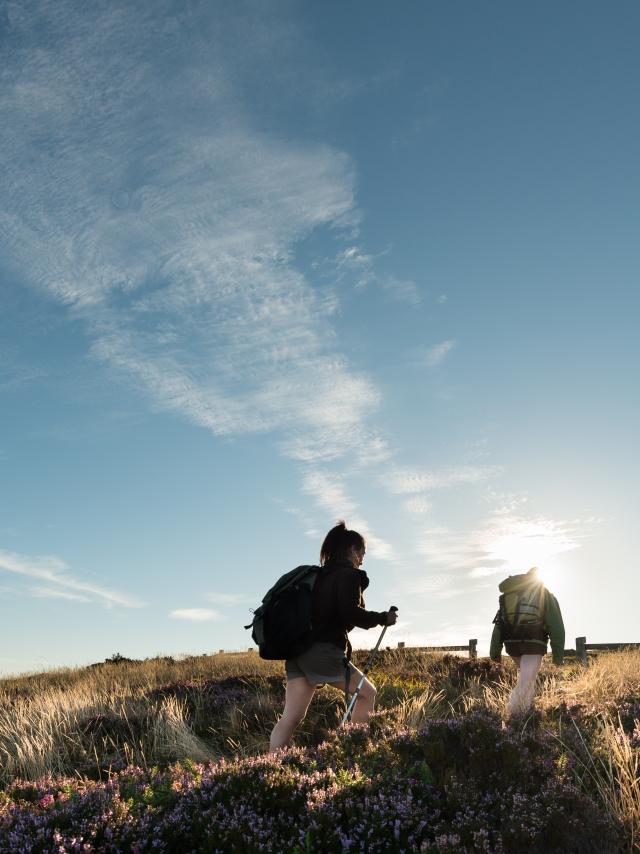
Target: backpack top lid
<point>517,583</point>
<point>521,609</point>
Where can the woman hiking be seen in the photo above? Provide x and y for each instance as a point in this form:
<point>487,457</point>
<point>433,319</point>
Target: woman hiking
<point>529,616</point>
<point>337,608</point>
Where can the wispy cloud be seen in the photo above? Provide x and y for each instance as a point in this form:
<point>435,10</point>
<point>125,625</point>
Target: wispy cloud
<point>401,481</point>
<point>443,547</point>
<point>14,375</point>
<point>52,593</point>
<point>330,494</point>
<point>56,572</point>
<point>417,505</point>
<point>405,290</point>
<point>511,542</point>
<point>229,598</point>
<point>167,223</point>
<point>196,615</point>
<point>504,542</point>
<point>359,263</point>
<point>358,267</point>
<point>436,355</point>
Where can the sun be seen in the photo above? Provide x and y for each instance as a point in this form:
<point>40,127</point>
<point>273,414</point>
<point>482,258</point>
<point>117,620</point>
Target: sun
<point>552,573</point>
<point>516,544</point>
<point>545,574</point>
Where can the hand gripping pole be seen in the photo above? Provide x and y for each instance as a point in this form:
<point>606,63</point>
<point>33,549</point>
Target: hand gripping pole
<point>374,652</point>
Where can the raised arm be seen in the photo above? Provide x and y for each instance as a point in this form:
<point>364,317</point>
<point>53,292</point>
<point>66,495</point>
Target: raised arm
<point>349,608</point>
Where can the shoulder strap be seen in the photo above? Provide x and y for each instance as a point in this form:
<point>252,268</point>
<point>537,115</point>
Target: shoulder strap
<point>288,579</point>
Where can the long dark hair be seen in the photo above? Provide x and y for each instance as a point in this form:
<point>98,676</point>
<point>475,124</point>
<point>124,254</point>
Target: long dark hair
<point>338,542</point>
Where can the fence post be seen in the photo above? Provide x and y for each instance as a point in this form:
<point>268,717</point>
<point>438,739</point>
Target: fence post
<point>581,651</point>
<point>473,648</point>
<point>400,644</point>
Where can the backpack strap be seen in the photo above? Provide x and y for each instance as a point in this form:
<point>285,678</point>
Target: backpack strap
<point>516,614</point>
<point>501,616</point>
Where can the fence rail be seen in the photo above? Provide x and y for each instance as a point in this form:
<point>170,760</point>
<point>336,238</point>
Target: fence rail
<point>471,647</point>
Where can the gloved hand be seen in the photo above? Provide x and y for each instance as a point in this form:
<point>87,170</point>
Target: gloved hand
<point>392,616</point>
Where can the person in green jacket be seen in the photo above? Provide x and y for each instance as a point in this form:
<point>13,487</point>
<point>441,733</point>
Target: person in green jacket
<point>529,616</point>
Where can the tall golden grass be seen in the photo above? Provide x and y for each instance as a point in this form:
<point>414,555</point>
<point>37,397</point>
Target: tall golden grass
<point>43,717</point>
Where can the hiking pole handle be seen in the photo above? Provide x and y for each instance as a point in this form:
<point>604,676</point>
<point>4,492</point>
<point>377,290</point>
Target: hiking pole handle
<point>354,696</point>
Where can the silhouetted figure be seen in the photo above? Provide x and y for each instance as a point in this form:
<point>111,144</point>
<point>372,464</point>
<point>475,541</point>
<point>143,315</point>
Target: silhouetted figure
<point>338,606</point>
<point>528,617</point>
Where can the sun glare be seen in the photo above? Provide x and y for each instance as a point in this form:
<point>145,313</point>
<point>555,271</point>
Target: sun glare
<point>520,544</point>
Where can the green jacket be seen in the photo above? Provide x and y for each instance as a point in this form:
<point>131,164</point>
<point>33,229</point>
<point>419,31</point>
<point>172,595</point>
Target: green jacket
<point>553,625</point>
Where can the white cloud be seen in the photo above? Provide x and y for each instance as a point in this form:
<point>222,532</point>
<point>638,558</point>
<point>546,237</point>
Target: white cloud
<point>228,598</point>
<point>52,593</point>
<point>435,355</point>
<point>329,493</point>
<point>405,290</point>
<point>196,615</point>
<point>55,571</point>
<point>511,542</point>
<point>445,548</point>
<point>417,505</point>
<point>503,543</point>
<point>401,481</point>
<point>376,546</point>
<point>373,451</point>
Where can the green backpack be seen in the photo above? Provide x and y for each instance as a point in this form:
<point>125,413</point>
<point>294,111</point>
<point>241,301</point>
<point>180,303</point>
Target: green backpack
<point>521,609</point>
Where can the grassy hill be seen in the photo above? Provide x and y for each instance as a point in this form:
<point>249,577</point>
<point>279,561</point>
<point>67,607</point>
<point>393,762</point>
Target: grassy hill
<point>167,755</point>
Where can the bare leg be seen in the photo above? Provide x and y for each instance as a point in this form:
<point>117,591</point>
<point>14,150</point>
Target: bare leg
<point>366,698</point>
<point>297,698</point>
<point>521,697</point>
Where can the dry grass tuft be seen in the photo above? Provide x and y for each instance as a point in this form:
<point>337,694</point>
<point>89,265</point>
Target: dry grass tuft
<point>609,677</point>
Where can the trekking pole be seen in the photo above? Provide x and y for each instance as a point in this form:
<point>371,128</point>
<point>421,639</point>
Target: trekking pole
<point>367,667</point>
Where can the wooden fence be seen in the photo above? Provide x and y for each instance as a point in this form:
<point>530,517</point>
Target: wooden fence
<point>580,651</point>
<point>582,648</point>
<point>471,647</point>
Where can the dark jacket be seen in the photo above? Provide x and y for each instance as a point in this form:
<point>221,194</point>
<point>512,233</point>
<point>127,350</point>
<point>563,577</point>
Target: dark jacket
<point>338,605</point>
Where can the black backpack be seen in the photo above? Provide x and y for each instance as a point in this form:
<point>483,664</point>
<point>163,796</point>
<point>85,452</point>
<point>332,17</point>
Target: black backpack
<point>281,626</point>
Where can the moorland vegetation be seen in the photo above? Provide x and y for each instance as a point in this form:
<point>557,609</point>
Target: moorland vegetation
<point>169,755</point>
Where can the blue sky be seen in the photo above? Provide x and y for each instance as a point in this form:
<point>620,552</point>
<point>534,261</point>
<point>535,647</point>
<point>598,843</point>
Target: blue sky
<point>267,265</point>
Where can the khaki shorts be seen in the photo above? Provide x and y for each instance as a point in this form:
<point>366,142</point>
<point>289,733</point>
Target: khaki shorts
<point>322,662</point>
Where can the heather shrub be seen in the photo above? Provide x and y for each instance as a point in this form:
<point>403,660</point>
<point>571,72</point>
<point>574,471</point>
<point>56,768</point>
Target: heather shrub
<point>370,789</point>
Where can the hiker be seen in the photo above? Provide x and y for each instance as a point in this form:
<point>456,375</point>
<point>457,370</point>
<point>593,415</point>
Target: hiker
<point>529,615</point>
<point>337,607</point>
